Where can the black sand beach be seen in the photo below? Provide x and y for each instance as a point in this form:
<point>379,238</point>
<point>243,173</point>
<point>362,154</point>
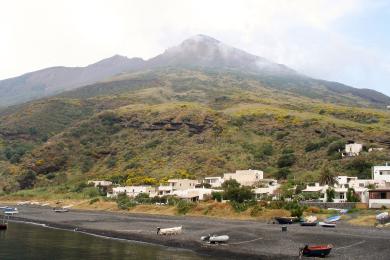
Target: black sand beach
<point>252,239</point>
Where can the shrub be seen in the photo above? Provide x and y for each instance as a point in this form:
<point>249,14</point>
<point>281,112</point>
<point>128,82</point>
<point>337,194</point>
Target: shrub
<point>286,160</point>
<point>242,206</point>
<point>335,147</point>
<point>352,196</point>
<point>27,180</point>
<point>330,194</point>
<point>256,210</point>
<point>314,210</point>
<point>124,202</point>
<point>91,192</point>
<point>282,173</point>
<point>92,201</point>
<point>184,206</point>
<point>216,195</point>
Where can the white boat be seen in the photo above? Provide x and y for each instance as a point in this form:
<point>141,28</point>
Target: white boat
<point>11,211</point>
<point>332,219</point>
<point>382,216</point>
<point>212,239</point>
<point>326,224</point>
<point>169,231</point>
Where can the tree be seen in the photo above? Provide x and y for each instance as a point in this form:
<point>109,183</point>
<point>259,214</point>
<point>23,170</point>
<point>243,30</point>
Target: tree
<point>229,184</point>
<point>27,180</point>
<point>352,196</point>
<point>327,177</point>
<point>330,194</point>
<point>282,173</point>
<point>286,160</point>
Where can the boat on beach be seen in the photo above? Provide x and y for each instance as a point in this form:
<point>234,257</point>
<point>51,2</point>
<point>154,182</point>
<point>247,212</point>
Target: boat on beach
<point>326,224</point>
<point>286,220</point>
<point>11,211</point>
<point>315,251</point>
<point>309,221</point>
<point>215,239</point>
<point>169,231</point>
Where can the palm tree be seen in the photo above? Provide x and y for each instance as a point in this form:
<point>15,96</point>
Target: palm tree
<point>327,177</point>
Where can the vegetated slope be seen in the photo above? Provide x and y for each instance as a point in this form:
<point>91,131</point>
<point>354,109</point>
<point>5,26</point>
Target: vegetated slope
<point>196,53</point>
<point>163,123</point>
<point>53,80</point>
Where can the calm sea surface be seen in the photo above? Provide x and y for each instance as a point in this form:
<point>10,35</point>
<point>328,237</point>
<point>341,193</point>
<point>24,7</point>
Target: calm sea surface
<point>26,241</point>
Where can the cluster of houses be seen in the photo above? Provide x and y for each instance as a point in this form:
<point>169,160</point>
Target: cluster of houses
<point>375,191</point>
<point>195,190</point>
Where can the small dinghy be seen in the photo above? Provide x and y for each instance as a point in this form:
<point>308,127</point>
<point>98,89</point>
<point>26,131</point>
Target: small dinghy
<point>315,251</point>
<point>326,224</point>
<point>286,220</point>
<point>309,221</point>
<point>169,231</point>
<point>215,239</point>
<point>383,218</point>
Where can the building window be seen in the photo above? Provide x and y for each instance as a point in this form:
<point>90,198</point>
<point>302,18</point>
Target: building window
<point>361,185</point>
<point>383,195</point>
<point>342,196</point>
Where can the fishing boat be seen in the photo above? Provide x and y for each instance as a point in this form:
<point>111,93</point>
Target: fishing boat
<point>326,224</point>
<point>309,221</point>
<point>315,251</point>
<point>286,220</point>
<point>215,239</point>
<point>169,231</point>
<point>60,210</point>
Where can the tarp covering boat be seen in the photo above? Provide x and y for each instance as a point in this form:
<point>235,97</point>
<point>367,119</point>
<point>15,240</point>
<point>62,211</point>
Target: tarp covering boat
<point>215,238</point>
<point>169,231</point>
<point>332,219</point>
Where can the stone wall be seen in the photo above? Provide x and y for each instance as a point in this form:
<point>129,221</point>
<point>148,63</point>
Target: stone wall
<point>325,205</point>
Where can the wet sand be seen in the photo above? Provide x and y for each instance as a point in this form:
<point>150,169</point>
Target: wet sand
<point>253,239</point>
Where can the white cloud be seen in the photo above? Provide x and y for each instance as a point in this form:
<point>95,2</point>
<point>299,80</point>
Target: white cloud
<point>42,33</point>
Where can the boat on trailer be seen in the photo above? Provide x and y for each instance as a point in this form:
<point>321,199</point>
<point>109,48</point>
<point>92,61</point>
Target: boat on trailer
<point>315,251</point>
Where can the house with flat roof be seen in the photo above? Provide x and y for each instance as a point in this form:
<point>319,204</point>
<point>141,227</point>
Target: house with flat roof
<point>176,184</point>
<point>352,150</point>
<point>245,177</point>
<point>379,198</point>
<point>132,191</point>
<point>266,187</point>
<point>100,183</point>
<point>381,173</point>
<point>214,181</point>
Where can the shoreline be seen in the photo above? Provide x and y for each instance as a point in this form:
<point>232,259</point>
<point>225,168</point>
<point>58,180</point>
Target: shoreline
<point>206,250</point>
<point>251,239</point>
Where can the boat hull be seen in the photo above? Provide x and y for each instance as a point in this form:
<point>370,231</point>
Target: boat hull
<point>316,251</point>
<point>308,224</point>
<point>285,220</point>
<point>329,225</point>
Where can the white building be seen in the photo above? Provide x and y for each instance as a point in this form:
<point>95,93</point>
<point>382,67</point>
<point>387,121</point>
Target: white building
<point>360,187</point>
<point>194,194</point>
<point>100,183</point>
<point>379,198</point>
<point>132,191</point>
<point>214,181</point>
<point>268,188</point>
<point>353,149</point>
<point>245,177</point>
<point>381,173</point>
<point>176,184</point>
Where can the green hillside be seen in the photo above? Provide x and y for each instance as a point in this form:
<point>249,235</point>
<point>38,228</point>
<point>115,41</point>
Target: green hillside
<point>144,127</point>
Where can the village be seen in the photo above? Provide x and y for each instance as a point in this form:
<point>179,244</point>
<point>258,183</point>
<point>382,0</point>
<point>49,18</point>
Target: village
<point>343,191</point>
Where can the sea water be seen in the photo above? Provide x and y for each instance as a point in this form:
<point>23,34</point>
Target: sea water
<point>28,241</point>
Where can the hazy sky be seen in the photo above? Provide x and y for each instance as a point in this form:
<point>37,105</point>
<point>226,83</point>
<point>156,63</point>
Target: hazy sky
<point>342,40</point>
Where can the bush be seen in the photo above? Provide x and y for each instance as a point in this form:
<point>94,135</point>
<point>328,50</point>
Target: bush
<point>256,210</point>
<point>91,192</point>
<point>282,173</point>
<point>314,210</point>
<point>216,195</point>
<point>124,202</point>
<point>286,160</point>
<point>335,147</point>
<point>27,180</point>
<point>184,206</point>
<point>241,206</point>
<point>92,201</point>
<point>330,194</point>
